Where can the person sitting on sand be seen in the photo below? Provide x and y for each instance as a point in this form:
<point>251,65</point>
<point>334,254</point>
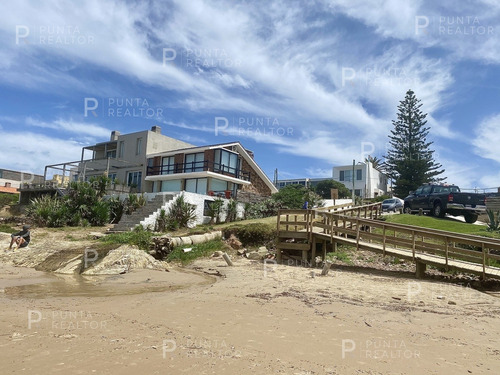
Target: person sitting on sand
<point>22,238</point>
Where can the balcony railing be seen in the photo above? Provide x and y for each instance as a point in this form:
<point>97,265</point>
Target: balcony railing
<point>198,166</point>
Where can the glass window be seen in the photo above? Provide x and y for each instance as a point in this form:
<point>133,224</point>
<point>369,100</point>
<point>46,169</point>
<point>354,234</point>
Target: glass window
<point>173,185</point>
<point>226,161</point>
<point>111,154</point>
<point>194,162</point>
<point>122,149</point>
<point>418,191</point>
<point>218,185</point>
<point>112,177</point>
<point>196,185</point>
<point>357,192</point>
<point>426,190</point>
<point>1,173</point>
<point>347,175</point>
<point>138,148</point>
<point>359,174</point>
<point>168,165</point>
<point>134,179</point>
<point>341,176</point>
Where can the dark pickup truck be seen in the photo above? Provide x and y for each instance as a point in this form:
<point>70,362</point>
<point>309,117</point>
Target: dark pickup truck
<point>439,200</point>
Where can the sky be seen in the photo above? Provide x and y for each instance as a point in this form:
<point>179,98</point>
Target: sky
<point>306,85</point>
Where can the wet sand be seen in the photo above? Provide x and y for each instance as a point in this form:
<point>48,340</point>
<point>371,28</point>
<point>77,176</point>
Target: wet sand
<point>254,319</point>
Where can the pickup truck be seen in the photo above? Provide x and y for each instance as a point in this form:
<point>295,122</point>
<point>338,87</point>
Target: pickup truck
<point>439,200</point>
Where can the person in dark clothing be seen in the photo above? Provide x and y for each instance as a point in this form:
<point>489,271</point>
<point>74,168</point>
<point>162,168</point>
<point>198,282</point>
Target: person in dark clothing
<point>22,238</point>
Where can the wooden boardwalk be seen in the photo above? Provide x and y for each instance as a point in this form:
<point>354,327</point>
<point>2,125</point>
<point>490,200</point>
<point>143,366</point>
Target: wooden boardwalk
<point>300,232</point>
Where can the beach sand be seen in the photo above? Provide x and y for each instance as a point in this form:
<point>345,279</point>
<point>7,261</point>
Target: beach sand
<point>247,319</point>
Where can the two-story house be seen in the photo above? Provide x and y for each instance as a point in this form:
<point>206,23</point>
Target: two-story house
<point>369,182</point>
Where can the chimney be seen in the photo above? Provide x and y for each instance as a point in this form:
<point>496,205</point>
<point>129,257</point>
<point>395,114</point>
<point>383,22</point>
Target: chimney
<point>8,184</point>
<point>156,129</point>
<point>114,135</point>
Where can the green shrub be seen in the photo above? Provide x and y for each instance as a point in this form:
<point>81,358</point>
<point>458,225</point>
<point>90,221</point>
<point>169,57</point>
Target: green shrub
<point>265,208</point>
<point>231,211</point>
<point>493,220</point>
<point>255,234</point>
<point>161,221</point>
<point>294,196</point>
<point>138,237</point>
<point>181,213</point>
<point>116,209</point>
<point>214,210</point>
<point>199,250</point>
<point>48,211</point>
<point>7,199</point>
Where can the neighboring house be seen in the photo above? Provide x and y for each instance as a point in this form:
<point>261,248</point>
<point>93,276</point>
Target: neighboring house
<point>10,180</point>
<point>124,157</point>
<point>308,182</point>
<point>225,170</point>
<point>369,182</point>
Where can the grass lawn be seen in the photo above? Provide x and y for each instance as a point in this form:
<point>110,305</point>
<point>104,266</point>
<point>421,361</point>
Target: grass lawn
<point>442,224</point>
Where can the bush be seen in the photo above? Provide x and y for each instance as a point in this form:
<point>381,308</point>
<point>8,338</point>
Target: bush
<point>266,208</point>
<point>493,220</point>
<point>323,189</point>
<point>199,250</point>
<point>232,211</point>
<point>7,199</point>
<point>181,213</point>
<point>255,234</point>
<point>215,209</point>
<point>294,197</point>
<point>138,237</point>
<point>48,211</point>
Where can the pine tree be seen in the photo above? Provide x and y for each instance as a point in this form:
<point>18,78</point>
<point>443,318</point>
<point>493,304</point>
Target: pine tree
<point>409,161</point>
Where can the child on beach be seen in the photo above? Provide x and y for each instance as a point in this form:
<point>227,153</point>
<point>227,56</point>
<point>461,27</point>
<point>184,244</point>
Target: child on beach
<point>22,238</point>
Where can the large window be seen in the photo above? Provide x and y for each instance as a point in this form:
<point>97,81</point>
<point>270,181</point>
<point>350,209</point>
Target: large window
<point>359,174</point>
<point>194,162</point>
<point>345,175</point>
<point>134,179</point>
<point>196,185</point>
<point>218,185</point>
<point>173,185</point>
<point>121,150</point>
<point>168,165</point>
<point>138,146</point>
<point>111,154</point>
<point>226,161</point>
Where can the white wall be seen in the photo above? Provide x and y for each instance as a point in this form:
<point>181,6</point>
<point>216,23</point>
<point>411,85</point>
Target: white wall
<point>198,200</point>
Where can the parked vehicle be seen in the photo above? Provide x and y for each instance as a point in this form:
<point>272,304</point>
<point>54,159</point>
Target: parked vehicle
<point>439,200</point>
<point>393,205</point>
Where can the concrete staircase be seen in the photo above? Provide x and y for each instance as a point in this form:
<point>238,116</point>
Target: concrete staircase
<point>128,222</point>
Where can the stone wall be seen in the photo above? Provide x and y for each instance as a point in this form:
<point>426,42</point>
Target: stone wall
<point>258,186</point>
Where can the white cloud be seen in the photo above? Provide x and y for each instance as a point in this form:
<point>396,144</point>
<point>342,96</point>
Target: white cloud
<point>31,152</point>
<point>488,138</point>
<point>79,128</point>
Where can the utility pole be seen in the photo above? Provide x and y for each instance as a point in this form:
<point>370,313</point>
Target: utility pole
<point>353,164</point>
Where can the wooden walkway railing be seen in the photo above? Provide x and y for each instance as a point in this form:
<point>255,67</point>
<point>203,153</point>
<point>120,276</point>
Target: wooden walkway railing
<point>356,226</point>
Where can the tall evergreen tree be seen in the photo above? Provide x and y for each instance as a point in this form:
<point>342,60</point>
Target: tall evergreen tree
<point>409,160</point>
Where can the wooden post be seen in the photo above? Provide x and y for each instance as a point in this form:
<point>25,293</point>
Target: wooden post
<point>324,249</point>
<point>446,252</point>
<point>357,234</point>
<point>313,250</point>
<point>227,259</point>
<point>420,269</point>
<point>326,268</point>
<point>413,243</point>
<point>484,261</point>
<point>383,239</point>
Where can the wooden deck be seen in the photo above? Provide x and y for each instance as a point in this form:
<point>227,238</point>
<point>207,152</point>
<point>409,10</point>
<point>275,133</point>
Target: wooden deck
<point>300,230</point>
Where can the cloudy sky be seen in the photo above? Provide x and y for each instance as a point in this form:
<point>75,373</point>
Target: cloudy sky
<point>306,85</point>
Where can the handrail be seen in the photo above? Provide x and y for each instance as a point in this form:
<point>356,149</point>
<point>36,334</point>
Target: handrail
<point>197,166</point>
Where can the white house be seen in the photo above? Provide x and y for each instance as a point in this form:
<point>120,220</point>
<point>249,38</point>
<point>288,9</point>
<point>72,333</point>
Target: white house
<point>368,181</point>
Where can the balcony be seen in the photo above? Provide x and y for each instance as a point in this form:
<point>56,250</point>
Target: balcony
<point>198,166</point>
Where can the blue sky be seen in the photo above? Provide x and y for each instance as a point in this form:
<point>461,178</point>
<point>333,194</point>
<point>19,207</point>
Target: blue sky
<point>306,85</point>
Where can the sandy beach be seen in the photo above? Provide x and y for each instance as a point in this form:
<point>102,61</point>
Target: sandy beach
<point>247,319</point>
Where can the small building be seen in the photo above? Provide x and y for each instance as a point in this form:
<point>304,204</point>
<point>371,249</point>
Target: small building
<point>369,182</point>
<point>14,179</point>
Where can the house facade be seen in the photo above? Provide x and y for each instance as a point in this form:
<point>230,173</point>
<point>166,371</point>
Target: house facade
<point>227,170</point>
<point>151,162</point>
<point>369,182</point>
<point>307,182</point>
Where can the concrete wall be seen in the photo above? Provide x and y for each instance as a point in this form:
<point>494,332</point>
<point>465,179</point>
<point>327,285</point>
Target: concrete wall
<point>16,178</point>
<point>198,200</point>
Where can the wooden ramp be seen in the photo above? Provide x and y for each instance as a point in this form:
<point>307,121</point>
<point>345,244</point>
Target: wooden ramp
<point>300,230</point>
